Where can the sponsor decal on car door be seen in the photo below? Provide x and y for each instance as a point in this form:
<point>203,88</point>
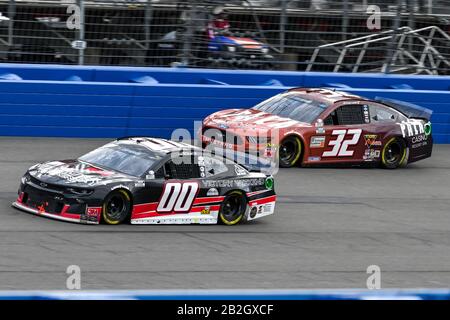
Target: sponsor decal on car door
<point>177,196</point>
<point>342,143</point>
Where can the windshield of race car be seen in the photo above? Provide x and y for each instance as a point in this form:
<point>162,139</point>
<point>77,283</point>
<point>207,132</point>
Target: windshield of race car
<point>131,159</point>
<point>293,106</point>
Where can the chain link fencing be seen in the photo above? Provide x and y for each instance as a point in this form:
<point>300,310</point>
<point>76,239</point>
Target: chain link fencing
<point>398,36</point>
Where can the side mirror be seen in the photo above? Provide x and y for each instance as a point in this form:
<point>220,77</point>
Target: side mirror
<point>319,123</point>
<point>150,175</point>
<point>319,126</point>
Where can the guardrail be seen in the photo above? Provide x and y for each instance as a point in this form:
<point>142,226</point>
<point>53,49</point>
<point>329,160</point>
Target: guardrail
<point>186,295</point>
<point>63,101</point>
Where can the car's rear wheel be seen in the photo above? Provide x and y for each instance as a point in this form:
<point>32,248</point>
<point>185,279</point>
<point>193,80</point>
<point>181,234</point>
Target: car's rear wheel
<point>233,208</point>
<point>116,207</point>
<point>289,152</point>
<point>394,153</point>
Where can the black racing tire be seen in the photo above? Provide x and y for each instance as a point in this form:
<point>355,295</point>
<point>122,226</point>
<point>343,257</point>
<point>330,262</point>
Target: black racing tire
<point>233,208</point>
<point>290,151</point>
<point>394,153</point>
<point>116,207</point>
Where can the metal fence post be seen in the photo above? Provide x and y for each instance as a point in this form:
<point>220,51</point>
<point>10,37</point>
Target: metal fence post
<point>11,15</point>
<point>283,22</point>
<point>391,45</point>
<point>411,5</point>
<point>80,4</point>
<point>148,19</point>
<point>188,34</point>
<point>345,20</point>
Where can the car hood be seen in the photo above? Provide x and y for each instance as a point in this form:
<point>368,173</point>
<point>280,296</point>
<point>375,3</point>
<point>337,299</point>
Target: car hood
<point>250,119</point>
<point>74,173</point>
<point>246,43</point>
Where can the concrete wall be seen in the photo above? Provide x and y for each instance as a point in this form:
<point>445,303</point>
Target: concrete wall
<point>72,101</point>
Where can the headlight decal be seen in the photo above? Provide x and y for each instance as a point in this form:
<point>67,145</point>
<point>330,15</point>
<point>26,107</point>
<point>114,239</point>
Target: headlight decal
<point>427,128</point>
<point>269,183</point>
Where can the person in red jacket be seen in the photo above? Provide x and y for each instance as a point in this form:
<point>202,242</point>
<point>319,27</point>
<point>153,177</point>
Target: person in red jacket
<point>219,23</point>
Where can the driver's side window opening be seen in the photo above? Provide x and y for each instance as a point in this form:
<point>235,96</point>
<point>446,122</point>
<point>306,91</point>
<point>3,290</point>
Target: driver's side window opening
<point>159,174</point>
<point>346,115</point>
<point>331,120</point>
<point>182,170</point>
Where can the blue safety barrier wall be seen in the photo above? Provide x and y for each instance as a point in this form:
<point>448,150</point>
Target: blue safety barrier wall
<point>248,295</point>
<point>87,101</point>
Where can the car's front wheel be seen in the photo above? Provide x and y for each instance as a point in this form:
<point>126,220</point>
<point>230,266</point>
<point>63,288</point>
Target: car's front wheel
<point>289,152</point>
<point>233,208</point>
<point>116,207</point>
<point>394,153</point>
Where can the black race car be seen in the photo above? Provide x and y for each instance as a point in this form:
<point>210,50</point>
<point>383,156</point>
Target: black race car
<point>146,181</point>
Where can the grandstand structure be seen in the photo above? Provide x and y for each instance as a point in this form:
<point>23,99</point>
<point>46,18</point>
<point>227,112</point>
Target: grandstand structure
<point>413,36</point>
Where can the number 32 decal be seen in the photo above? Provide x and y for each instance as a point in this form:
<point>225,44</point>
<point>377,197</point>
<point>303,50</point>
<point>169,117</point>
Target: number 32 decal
<point>177,197</point>
<point>340,145</point>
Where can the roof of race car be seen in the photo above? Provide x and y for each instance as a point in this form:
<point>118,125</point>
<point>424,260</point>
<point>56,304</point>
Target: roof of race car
<point>331,96</point>
<point>165,147</point>
<point>327,95</point>
<point>158,145</point>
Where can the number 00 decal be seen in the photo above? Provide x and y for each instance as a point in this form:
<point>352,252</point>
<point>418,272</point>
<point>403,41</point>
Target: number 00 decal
<point>177,197</point>
<point>340,145</point>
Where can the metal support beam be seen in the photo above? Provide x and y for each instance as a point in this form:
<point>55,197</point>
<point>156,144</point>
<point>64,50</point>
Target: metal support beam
<point>391,47</point>
<point>80,4</point>
<point>283,23</point>
<point>345,20</point>
<point>188,35</point>
<point>147,21</point>
<point>11,16</point>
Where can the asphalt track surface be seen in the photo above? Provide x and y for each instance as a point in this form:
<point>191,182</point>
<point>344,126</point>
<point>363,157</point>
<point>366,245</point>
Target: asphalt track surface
<point>329,226</point>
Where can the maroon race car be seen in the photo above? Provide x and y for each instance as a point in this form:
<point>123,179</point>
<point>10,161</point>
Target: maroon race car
<point>321,126</point>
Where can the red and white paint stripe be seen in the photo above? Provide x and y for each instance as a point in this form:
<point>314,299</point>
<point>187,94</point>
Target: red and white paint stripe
<point>70,217</point>
<point>254,193</point>
<point>148,210</point>
<point>263,200</point>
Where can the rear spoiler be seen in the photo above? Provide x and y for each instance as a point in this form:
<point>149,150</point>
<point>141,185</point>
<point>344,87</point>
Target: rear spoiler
<point>408,109</point>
